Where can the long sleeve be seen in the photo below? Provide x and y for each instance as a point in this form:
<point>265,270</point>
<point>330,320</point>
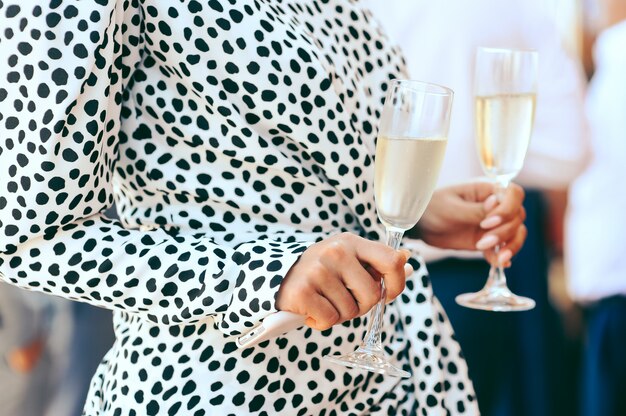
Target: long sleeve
<point>64,68</point>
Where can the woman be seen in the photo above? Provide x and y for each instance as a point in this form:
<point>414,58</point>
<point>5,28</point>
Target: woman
<point>232,137</point>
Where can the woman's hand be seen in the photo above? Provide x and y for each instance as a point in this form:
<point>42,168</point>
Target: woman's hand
<point>469,217</point>
<point>338,279</point>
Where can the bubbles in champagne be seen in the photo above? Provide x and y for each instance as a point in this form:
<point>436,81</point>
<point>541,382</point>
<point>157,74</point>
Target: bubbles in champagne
<point>406,175</point>
<point>504,123</point>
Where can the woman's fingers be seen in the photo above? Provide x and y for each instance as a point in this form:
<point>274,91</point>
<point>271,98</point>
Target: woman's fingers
<point>515,245</point>
<point>386,261</point>
<point>343,299</point>
<point>408,270</point>
<point>322,314</point>
<point>364,288</point>
<point>508,249</point>
<point>501,234</point>
<point>510,205</point>
<point>503,222</point>
<point>504,226</point>
<point>345,272</point>
<point>361,273</point>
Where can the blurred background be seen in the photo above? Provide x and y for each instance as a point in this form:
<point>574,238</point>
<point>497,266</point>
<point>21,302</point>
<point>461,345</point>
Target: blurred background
<point>565,357</point>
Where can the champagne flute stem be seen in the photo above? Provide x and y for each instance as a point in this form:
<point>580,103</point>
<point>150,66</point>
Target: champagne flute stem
<point>500,189</point>
<point>497,278</point>
<point>372,340</point>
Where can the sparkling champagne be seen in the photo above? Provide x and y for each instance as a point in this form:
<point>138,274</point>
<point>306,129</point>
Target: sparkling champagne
<point>406,175</point>
<point>504,123</point>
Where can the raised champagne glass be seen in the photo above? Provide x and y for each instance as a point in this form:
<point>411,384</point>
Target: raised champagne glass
<point>505,94</point>
<point>411,144</point>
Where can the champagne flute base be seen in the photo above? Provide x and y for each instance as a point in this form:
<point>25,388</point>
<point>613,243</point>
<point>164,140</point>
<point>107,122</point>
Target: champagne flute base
<point>369,360</point>
<point>496,300</point>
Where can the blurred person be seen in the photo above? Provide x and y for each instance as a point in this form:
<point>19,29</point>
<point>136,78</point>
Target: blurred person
<point>515,359</point>
<point>236,139</point>
<point>49,350</point>
<point>87,339</point>
<point>596,264</point>
<point>29,365</point>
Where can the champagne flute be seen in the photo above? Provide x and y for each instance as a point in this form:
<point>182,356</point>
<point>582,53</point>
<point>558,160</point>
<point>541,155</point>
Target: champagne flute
<point>505,94</point>
<point>412,140</point>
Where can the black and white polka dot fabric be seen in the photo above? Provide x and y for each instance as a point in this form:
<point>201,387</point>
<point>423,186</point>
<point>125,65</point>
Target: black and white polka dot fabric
<point>231,135</point>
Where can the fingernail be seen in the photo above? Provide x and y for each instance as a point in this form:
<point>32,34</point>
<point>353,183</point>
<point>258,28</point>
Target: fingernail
<point>487,241</point>
<point>491,222</point>
<point>491,202</point>
<point>505,257</point>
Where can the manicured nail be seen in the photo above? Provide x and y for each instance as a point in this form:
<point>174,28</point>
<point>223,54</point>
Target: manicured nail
<point>505,257</point>
<point>491,222</point>
<point>487,242</point>
<point>490,203</point>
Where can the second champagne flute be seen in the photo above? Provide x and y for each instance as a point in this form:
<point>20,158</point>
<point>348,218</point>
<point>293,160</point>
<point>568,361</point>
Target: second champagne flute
<point>412,140</point>
<point>505,84</point>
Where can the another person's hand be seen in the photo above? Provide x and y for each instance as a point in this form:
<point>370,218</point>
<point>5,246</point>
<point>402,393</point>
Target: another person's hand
<point>614,12</point>
<point>338,279</point>
<point>468,217</point>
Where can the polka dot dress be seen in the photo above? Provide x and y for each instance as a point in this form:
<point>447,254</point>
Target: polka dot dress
<point>231,135</point>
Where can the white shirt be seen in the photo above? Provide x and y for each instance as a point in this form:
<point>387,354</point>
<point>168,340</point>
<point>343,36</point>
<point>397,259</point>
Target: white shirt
<point>596,223</point>
<point>439,40</point>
